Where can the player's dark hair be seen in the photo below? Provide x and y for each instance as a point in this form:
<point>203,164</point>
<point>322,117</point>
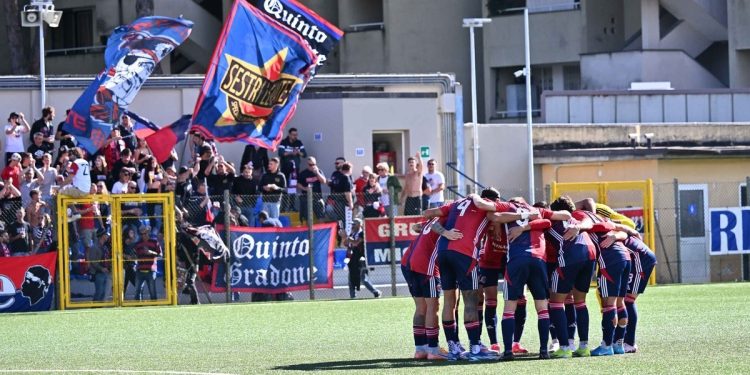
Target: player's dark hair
<point>541,204</point>
<point>490,193</point>
<point>563,203</point>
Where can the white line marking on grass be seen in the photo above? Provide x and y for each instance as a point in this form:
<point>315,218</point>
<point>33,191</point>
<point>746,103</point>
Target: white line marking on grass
<point>100,371</point>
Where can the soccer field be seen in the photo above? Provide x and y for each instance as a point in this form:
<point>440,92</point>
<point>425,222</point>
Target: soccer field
<point>682,329</point>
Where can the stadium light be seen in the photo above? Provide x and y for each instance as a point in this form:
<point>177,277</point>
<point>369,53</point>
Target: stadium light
<point>471,23</point>
<point>35,15</point>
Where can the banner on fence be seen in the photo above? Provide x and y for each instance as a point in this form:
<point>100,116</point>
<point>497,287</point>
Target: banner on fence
<point>378,240</point>
<point>730,231</point>
<point>276,260</point>
<point>27,283</point>
<point>635,214</point>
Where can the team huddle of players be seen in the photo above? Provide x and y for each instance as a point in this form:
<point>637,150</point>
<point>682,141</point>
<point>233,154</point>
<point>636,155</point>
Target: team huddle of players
<point>470,244</point>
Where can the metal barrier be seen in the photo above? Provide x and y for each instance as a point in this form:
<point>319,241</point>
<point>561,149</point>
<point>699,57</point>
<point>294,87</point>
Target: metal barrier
<point>86,256</point>
<point>622,196</point>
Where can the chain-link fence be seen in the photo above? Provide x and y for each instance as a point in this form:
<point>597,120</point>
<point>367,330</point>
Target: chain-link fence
<point>682,226</point>
<point>354,270</point>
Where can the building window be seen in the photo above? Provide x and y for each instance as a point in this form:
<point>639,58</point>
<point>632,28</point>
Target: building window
<point>571,78</point>
<point>76,29</point>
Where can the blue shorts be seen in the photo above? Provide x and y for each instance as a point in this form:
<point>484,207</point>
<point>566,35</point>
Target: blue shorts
<point>457,269</point>
<point>640,273</point>
<point>577,275</point>
<point>421,286</point>
<point>525,271</point>
<point>613,280</point>
<point>551,267</point>
<point>489,276</point>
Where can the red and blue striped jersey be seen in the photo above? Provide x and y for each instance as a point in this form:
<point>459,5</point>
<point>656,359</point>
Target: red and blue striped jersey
<point>531,243</point>
<point>421,255</point>
<point>614,254</point>
<point>495,250</point>
<point>464,216</point>
<point>572,251</point>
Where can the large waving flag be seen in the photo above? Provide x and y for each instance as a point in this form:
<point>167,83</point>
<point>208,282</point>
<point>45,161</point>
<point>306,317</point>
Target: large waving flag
<point>163,141</point>
<point>132,53</point>
<point>256,74</point>
<point>321,34</point>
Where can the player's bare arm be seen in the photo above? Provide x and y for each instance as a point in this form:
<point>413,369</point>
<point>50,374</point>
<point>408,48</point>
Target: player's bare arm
<point>538,224</point>
<point>508,217</point>
<point>587,204</point>
<point>432,212</point>
<point>613,237</point>
<point>452,234</point>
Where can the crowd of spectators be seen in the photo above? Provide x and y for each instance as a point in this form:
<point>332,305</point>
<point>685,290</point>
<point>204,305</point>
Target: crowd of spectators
<point>262,187</point>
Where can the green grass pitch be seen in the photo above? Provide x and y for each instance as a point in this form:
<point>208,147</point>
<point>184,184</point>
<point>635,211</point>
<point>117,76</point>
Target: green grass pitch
<point>682,329</point>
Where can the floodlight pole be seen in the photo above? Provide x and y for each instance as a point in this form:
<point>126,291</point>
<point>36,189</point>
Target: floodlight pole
<point>471,23</point>
<point>527,71</point>
<point>42,79</point>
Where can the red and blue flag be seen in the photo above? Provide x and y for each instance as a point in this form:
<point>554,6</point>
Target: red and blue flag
<point>257,71</point>
<point>132,53</point>
<point>27,283</point>
<point>142,127</point>
<point>163,141</point>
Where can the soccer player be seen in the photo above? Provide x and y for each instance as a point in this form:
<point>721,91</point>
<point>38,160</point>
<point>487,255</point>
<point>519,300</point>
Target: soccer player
<point>423,277</point>
<point>491,265</point>
<point>458,266</point>
<point>643,263</point>
<point>526,266</point>
<point>575,257</point>
<point>614,270</point>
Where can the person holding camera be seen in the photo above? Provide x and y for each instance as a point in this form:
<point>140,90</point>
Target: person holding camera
<point>16,126</point>
<point>355,252</point>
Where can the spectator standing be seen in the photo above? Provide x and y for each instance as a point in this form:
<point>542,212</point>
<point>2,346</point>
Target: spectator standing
<point>125,162</point>
<point>142,153</point>
<point>272,185</point>
<point>127,133</point>
<point>147,251</point>
<point>341,192</point>
<point>20,234</point>
<point>12,172</point>
<point>99,171</point>
<point>412,197</point>
<point>114,148</point>
<point>66,139</point>
<point>44,126</point>
<point>28,184</point>
<point>98,257</point>
<point>371,198</point>
<point>38,148</point>
<point>244,190</point>
<point>49,177</point>
<point>197,203</point>
<point>291,151</point>
<point>16,126</point>
<point>10,201</point>
<point>436,180</point>
<point>310,180</point>
<point>257,158</point>
<point>222,178</point>
<point>355,251</point>
<point>387,183</point>
<point>361,183</point>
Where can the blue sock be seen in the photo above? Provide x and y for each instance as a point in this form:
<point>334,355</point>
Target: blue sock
<point>543,326</point>
<point>432,336</point>
<point>622,313</point>
<point>474,331</point>
<point>508,325</point>
<point>520,320</point>
<point>490,320</point>
<point>608,328</point>
<point>582,321</point>
<point>632,321</point>
<point>559,320</point>
<point>449,328</point>
<point>420,336</point>
<point>570,316</point>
